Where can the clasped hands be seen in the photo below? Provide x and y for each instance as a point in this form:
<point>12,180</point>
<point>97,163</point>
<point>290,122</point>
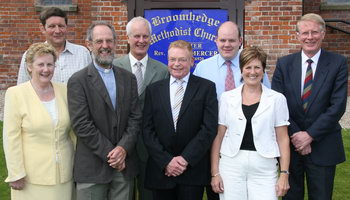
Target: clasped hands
<point>302,142</point>
<point>116,158</point>
<point>176,166</point>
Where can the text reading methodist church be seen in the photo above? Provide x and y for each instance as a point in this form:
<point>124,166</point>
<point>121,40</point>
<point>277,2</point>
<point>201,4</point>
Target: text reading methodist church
<point>195,26</point>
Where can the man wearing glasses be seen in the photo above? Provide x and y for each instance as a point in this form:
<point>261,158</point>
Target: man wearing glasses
<point>314,82</point>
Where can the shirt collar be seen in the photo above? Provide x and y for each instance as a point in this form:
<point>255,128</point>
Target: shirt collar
<point>101,69</point>
<point>133,60</point>
<point>234,60</point>
<point>68,47</point>
<point>185,79</point>
<point>314,58</point>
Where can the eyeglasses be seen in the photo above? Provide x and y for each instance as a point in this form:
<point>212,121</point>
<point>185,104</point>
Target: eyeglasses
<point>99,42</point>
<point>308,33</point>
<point>180,60</point>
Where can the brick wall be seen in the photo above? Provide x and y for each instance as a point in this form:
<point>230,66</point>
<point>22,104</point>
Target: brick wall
<point>271,24</point>
<point>19,28</point>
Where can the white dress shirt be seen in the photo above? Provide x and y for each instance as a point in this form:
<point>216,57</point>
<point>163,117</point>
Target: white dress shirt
<point>304,65</point>
<point>173,87</point>
<point>133,65</point>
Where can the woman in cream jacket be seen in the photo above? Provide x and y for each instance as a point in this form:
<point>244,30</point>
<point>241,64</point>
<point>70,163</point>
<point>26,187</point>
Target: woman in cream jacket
<point>252,133</point>
<point>37,142</point>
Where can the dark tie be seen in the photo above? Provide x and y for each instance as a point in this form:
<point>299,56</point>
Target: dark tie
<point>229,81</point>
<point>307,85</point>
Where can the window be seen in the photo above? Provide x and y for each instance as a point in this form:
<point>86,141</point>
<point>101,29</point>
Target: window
<point>56,2</point>
<point>65,5</point>
<point>337,1</point>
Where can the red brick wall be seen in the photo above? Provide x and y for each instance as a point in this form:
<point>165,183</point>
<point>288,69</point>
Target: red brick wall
<point>19,28</point>
<point>271,24</point>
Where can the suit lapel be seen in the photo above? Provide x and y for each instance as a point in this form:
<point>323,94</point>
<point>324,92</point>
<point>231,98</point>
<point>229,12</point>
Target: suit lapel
<point>320,76</point>
<point>295,77</point>
<point>124,63</point>
<point>164,92</point>
<point>191,90</point>
<point>98,84</point>
<point>149,75</point>
<point>119,79</point>
<point>265,102</point>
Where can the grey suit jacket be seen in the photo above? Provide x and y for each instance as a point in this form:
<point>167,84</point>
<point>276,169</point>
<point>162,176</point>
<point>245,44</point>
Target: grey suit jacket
<point>99,127</point>
<point>155,71</point>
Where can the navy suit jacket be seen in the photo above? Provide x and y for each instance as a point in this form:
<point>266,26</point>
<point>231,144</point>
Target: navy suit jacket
<point>196,129</point>
<point>326,105</point>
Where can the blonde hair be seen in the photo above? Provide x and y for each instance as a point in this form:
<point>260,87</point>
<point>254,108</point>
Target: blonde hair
<point>182,44</point>
<point>314,18</point>
<point>39,49</point>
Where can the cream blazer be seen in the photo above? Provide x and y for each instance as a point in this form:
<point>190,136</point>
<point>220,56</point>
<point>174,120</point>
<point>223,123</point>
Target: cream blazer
<point>33,145</point>
<point>272,112</point>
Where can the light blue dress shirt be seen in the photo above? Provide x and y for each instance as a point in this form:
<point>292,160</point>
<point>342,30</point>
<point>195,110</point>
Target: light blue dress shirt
<point>108,78</point>
<point>214,69</point>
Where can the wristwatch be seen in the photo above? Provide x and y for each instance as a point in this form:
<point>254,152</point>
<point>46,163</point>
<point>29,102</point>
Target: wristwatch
<point>284,172</point>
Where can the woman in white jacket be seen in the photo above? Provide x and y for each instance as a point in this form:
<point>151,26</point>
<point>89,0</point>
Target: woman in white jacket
<point>252,134</point>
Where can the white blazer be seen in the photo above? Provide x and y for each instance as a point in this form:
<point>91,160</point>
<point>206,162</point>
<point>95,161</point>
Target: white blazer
<point>272,112</point>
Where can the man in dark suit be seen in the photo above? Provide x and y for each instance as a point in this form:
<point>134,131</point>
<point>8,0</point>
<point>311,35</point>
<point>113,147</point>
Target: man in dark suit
<point>106,118</point>
<point>179,125</point>
<point>314,82</point>
<point>147,71</point>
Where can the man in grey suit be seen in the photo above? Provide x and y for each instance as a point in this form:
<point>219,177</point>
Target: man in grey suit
<point>106,118</point>
<point>147,71</point>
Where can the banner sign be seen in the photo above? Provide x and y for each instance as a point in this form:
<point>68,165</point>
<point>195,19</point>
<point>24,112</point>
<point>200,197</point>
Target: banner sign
<point>197,26</point>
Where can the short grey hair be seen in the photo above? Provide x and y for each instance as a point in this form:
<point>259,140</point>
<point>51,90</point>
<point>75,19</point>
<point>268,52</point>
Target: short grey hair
<point>314,18</point>
<point>137,19</point>
<point>99,23</point>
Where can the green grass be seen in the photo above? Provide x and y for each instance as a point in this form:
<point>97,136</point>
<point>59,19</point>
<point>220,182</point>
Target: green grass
<point>4,188</point>
<point>341,185</point>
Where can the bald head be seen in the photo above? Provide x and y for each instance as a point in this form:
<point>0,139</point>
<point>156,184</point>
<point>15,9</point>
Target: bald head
<point>228,40</point>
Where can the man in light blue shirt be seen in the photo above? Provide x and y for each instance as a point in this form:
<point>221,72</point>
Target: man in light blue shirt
<point>228,42</point>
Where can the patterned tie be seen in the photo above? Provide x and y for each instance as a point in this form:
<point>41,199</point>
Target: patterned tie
<point>307,85</point>
<point>179,94</point>
<point>139,77</point>
<point>229,81</point>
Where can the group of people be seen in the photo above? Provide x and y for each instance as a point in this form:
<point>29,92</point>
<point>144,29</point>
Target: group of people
<point>116,124</point>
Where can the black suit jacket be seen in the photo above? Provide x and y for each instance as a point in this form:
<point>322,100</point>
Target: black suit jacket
<point>99,127</point>
<point>196,129</point>
<point>326,105</point>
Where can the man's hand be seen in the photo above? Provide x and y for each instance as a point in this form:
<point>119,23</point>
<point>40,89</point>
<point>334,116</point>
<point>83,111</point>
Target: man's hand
<point>306,150</point>
<point>116,157</point>
<point>176,166</point>
<point>300,140</point>
<point>17,185</point>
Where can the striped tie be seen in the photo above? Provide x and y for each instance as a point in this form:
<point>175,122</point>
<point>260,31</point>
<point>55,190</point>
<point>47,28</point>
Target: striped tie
<point>179,94</point>
<point>229,81</point>
<point>307,85</point>
<point>139,77</point>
